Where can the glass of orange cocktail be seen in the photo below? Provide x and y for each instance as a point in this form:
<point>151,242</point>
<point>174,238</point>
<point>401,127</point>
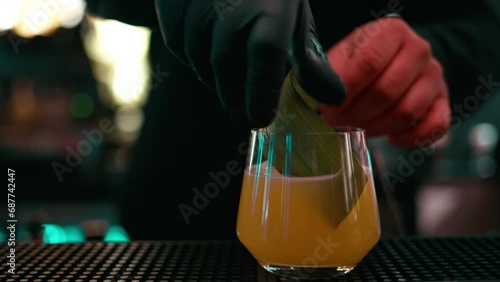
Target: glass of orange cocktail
<point>308,209</point>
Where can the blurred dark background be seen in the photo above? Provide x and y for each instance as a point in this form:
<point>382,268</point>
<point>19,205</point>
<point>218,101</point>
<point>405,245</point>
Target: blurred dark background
<point>72,90</point>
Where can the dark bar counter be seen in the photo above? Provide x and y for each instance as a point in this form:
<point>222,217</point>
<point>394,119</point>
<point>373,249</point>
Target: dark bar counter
<point>472,258</point>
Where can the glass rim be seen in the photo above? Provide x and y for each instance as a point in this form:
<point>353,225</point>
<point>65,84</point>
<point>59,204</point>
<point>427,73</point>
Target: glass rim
<point>336,130</point>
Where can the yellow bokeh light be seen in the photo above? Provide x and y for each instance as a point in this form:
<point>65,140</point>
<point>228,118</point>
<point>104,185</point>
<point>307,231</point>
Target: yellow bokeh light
<point>9,13</point>
<point>29,18</point>
<point>120,54</point>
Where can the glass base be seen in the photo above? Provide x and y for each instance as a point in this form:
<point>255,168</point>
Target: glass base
<point>308,272</point>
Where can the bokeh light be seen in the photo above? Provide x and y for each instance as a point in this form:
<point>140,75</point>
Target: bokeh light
<point>82,105</point>
<point>129,120</point>
<point>29,18</point>
<point>116,234</point>
<point>9,13</point>
<point>54,234</point>
<point>120,54</point>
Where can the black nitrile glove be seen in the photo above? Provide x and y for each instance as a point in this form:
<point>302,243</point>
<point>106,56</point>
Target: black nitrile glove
<point>240,48</point>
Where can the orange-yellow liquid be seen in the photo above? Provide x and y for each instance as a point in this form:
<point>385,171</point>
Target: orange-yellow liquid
<point>290,222</point>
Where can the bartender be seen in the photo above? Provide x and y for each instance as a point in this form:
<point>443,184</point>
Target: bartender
<point>391,67</point>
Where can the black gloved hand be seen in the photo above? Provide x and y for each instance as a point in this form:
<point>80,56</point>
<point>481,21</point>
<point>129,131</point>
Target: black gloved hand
<point>240,48</point>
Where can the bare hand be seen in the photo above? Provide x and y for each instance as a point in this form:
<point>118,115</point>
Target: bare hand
<point>394,84</point>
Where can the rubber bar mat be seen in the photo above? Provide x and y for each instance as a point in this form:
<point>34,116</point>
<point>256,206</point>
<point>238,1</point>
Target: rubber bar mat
<point>410,259</point>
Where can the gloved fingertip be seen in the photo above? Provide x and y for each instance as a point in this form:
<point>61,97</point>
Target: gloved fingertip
<point>321,83</point>
<point>316,46</point>
<point>313,71</point>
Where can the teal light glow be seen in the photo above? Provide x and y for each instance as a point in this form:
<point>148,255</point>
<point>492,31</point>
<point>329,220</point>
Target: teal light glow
<point>74,234</point>
<point>54,234</point>
<point>116,234</point>
<point>369,159</point>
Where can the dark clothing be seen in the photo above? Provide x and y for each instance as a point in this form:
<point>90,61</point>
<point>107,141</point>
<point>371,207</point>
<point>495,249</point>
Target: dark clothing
<point>187,138</point>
